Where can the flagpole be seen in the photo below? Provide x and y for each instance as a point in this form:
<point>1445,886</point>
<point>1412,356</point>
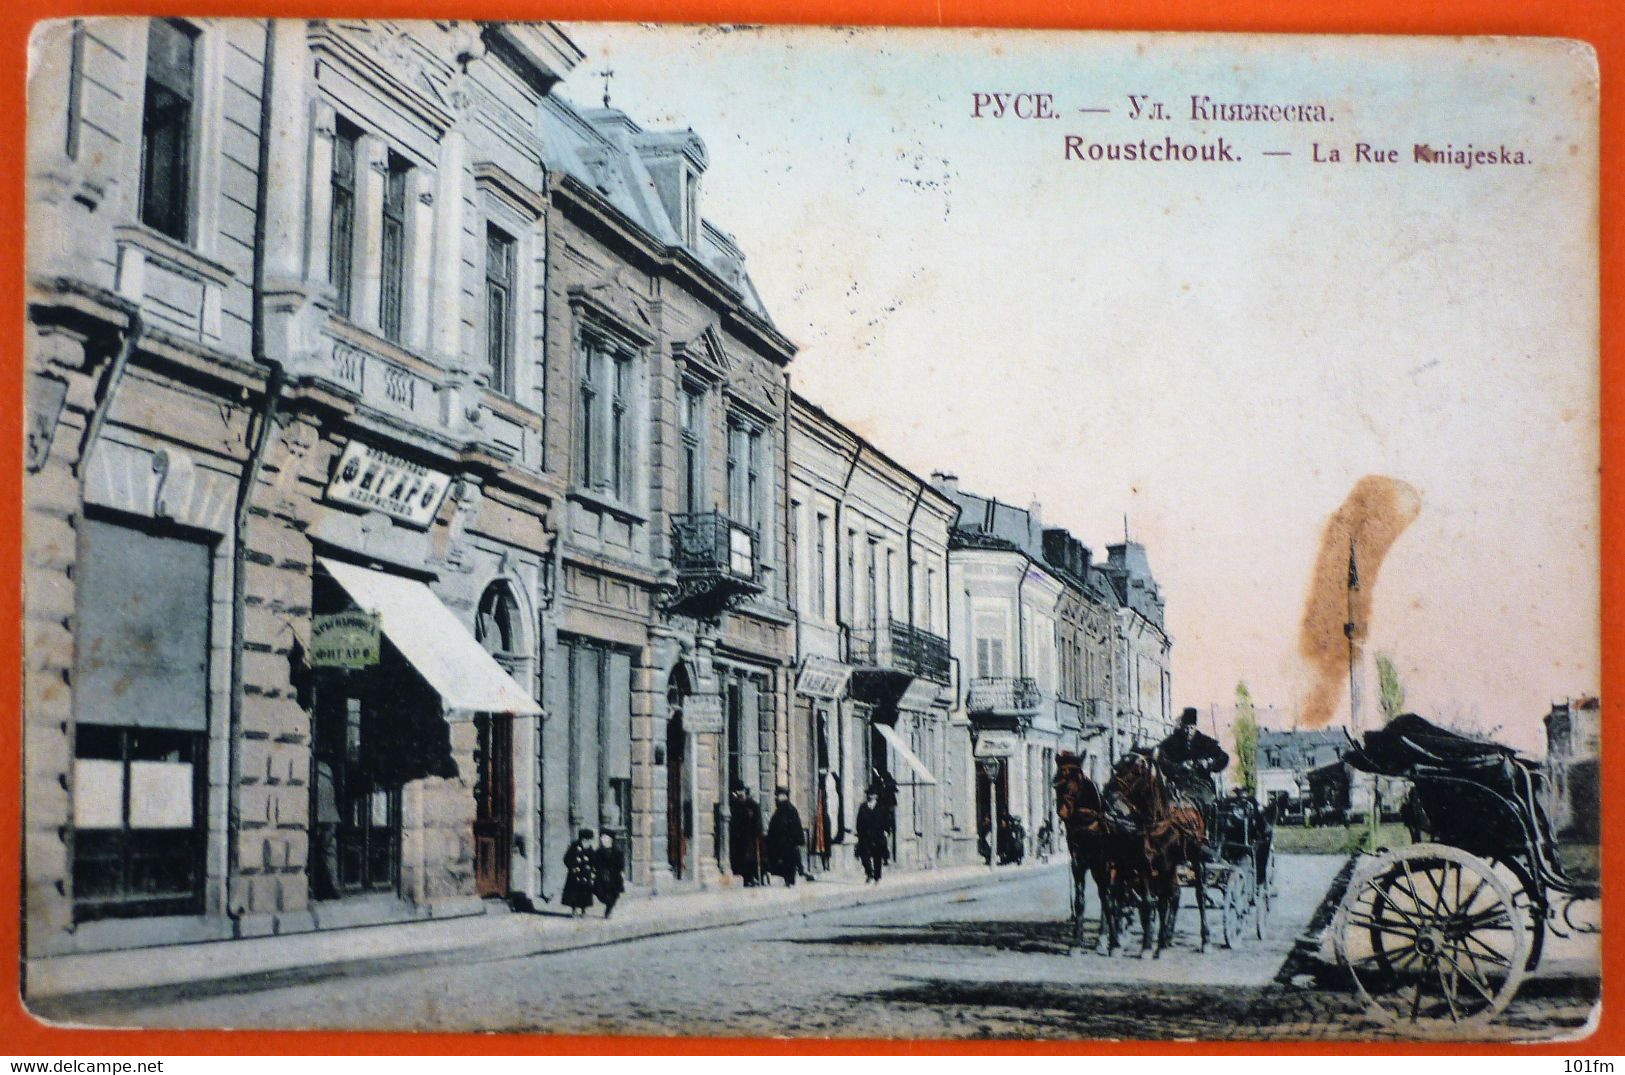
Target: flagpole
<point>1348,630</point>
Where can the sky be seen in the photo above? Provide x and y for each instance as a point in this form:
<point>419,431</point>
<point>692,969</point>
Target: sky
<point>1213,355</point>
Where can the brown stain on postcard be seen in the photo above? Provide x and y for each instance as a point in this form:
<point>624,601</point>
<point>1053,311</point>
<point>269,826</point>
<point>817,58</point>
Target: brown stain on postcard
<point>1376,511</point>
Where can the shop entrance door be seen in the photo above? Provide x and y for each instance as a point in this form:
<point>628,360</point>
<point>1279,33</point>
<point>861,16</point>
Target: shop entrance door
<point>493,804</point>
<point>358,819</point>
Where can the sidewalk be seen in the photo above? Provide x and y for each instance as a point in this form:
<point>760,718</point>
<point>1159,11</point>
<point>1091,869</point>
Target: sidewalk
<point>102,979</point>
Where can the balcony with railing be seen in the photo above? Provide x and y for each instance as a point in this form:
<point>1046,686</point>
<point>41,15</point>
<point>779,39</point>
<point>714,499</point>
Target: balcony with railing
<point>715,562</point>
<point>1002,696</point>
<point>900,646</point>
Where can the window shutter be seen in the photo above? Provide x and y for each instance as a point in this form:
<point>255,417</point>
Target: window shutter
<point>617,745</point>
<point>585,729</point>
<point>767,755</point>
<point>143,627</point>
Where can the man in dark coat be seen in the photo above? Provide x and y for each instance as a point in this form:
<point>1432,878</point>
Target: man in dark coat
<point>784,836</point>
<point>871,832</point>
<point>745,836</point>
<point>1189,759</point>
<point>609,869</point>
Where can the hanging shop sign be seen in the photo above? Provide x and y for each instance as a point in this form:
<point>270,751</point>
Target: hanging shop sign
<point>996,745</point>
<point>823,678</point>
<point>372,478</point>
<point>344,640</point>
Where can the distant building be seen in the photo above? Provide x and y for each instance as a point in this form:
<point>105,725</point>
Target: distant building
<point>1286,760</point>
<point>1034,629</point>
<point>1143,697</point>
<point>1573,745</point>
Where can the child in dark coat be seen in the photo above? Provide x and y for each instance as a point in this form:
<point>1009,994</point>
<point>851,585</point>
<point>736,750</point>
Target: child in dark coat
<point>579,874</point>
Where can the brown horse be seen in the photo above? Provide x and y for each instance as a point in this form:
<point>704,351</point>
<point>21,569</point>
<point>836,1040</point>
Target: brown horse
<point>1171,833</point>
<point>1095,840</point>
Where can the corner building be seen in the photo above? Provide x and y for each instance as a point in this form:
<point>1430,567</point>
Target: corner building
<point>288,388</point>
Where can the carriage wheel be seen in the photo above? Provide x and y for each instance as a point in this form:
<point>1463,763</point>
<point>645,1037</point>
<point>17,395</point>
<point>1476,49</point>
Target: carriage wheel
<point>1530,905</point>
<point>1237,905</point>
<point>1433,938</point>
<point>1261,899</point>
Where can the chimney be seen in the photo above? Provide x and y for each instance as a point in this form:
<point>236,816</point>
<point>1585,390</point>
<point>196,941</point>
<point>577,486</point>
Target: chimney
<point>944,482</point>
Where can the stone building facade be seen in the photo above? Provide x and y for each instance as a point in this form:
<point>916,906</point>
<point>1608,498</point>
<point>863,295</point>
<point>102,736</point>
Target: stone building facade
<point>674,632</point>
<point>413,479</point>
<point>1033,626</point>
<point>869,549</point>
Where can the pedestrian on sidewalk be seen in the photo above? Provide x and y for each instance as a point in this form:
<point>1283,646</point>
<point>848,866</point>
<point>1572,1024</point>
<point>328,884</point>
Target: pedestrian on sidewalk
<point>579,874</point>
<point>784,836</point>
<point>745,836</point>
<point>871,829</point>
<point>609,868</point>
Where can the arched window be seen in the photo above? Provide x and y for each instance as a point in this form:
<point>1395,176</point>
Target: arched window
<point>497,625</point>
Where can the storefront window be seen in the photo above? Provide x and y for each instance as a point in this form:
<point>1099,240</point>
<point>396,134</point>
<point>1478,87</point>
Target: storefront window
<point>141,706</point>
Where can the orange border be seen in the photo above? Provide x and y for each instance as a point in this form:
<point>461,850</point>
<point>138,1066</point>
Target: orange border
<point>1597,21</point>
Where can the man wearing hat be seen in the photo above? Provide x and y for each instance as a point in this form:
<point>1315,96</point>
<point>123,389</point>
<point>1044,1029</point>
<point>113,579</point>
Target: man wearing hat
<point>745,835</point>
<point>1189,759</point>
<point>784,836</point>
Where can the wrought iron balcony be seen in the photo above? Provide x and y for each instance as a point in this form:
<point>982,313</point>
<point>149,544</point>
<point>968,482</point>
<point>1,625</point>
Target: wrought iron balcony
<point>715,561</point>
<point>1002,694</point>
<point>900,646</point>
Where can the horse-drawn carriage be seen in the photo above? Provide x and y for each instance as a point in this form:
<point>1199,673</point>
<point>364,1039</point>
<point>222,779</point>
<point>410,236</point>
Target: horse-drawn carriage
<point>1241,869</point>
<point>1142,842</point>
<point>1442,931</point>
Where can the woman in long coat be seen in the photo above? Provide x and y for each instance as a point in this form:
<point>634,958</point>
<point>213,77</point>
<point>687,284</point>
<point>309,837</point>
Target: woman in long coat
<point>579,874</point>
<point>610,867</point>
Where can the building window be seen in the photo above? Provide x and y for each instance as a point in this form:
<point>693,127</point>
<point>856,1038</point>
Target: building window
<point>873,591</point>
<point>851,602</point>
<point>691,419</point>
<point>499,290</point>
<point>930,598</point>
<point>141,723</point>
<point>393,241</point>
<point>166,128</point>
<point>496,625</point>
<point>821,567</point>
<point>341,225</point>
<point>605,420</point>
<point>745,489</point>
<point>989,658</point>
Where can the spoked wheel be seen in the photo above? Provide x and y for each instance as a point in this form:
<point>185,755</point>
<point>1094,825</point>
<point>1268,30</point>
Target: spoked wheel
<point>1261,899</point>
<point>1531,907</point>
<point>1433,938</point>
<point>1237,904</point>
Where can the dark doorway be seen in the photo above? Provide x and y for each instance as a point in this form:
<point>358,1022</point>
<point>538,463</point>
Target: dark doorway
<point>493,804</point>
<point>992,801</point>
<point>358,810</point>
<point>678,799</point>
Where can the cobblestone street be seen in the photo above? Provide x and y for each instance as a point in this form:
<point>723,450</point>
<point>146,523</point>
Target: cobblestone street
<point>990,961</point>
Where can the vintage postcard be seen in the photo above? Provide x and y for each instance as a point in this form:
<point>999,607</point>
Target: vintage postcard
<point>739,531</point>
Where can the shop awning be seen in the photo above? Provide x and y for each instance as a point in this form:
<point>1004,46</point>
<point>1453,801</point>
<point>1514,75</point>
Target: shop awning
<point>910,759</point>
<point>434,640</point>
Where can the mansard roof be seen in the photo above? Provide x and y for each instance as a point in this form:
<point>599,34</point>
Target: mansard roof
<point>607,151</point>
